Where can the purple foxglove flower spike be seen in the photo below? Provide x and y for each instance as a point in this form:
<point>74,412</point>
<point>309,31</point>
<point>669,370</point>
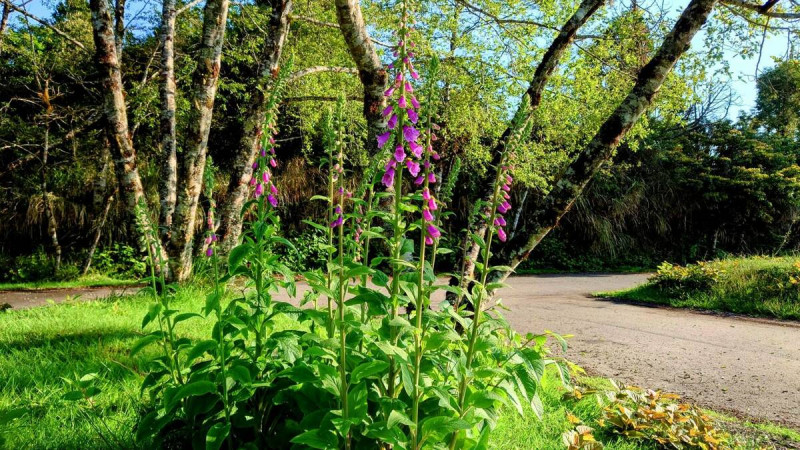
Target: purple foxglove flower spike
<point>415,75</point>
<point>426,214</point>
<point>431,177</point>
<point>272,200</point>
<point>415,148</point>
<point>401,102</point>
<point>410,133</point>
<point>433,231</point>
<point>272,162</point>
<point>392,122</point>
<point>399,154</point>
<point>501,234</point>
<point>388,92</point>
<point>209,251</point>
<point>388,110</point>
<point>388,178</point>
<point>426,194</point>
<point>413,167</point>
<point>383,138</point>
<point>415,102</point>
<point>428,240</point>
<point>432,204</point>
<point>259,190</point>
<point>413,116</point>
<point>419,180</point>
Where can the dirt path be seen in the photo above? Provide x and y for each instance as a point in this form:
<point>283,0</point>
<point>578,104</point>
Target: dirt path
<point>748,367</point>
<point>41,297</point>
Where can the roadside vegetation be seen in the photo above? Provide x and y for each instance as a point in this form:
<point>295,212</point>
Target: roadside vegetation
<point>80,338</point>
<point>762,286</point>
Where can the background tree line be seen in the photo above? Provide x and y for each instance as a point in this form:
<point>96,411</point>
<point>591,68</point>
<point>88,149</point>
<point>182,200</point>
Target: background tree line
<point>105,107</point>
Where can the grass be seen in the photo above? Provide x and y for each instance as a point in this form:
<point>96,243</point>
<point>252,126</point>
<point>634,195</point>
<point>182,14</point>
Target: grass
<point>82,282</point>
<point>39,346</point>
<point>756,286</point>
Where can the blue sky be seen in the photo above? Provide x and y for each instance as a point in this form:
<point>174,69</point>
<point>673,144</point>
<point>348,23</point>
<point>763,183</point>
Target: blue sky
<point>743,69</point>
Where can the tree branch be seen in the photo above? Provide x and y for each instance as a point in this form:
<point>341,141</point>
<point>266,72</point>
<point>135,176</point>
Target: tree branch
<point>43,22</point>
<point>502,21</point>
<point>322,23</point>
<point>316,69</point>
<point>187,7</point>
<point>764,10</point>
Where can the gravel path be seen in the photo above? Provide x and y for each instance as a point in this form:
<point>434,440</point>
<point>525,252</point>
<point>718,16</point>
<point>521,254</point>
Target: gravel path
<point>745,366</point>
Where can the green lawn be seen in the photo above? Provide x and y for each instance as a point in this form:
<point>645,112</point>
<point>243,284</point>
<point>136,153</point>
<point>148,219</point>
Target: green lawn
<point>82,282</point>
<point>39,346</point>
<point>756,286</point>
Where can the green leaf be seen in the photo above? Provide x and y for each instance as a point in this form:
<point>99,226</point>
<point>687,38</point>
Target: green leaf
<point>397,417</point>
<point>317,439</point>
<point>143,342</point>
<point>237,255</point>
<point>380,278</point>
<point>185,316</point>
<point>200,348</point>
<point>367,370</point>
<point>216,435</point>
<point>192,389</point>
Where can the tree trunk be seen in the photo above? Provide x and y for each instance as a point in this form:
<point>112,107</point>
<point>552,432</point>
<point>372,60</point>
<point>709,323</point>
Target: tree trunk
<point>116,116</point>
<point>231,219</point>
<point>601,147</point>
<point>544,70</point>
<point>98,231</point>
<point>370,70</point>
<point>119,27</point>
<point>204,83</point>
<point>4,24</point>
<point>168,182</point>
<point>52,226</point>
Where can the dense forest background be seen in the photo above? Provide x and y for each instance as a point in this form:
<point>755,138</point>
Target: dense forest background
<point>687,183</point>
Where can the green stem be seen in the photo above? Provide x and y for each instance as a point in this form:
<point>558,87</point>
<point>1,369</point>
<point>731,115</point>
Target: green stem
<point>462,389</point>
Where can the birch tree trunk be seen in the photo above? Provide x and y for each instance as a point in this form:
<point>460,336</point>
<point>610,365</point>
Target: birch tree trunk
<point>370,70</point>
<point>544,70</point>
<point>4,24</point>
<point>206,76</point>
<point>231,218</point>
<point>50,218</point>
<point>168,181</point>
<point>116,116</point>
<point>600,149</point>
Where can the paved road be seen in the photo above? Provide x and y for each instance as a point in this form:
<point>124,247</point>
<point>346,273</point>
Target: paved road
<point>745,366</point>
<point>749,367</point>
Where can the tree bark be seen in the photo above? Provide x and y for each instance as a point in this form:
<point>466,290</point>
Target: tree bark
<point>119,27</point>
<point>370,70</point>
<point>116,116</point>
<point>231,218</point>
<point>4,24</point>
<point>600,149</point>
<point>168,182</point>
<point>98,231</point>
<point>50,218</point>
<point>206,76</point>
<point>544,71</point>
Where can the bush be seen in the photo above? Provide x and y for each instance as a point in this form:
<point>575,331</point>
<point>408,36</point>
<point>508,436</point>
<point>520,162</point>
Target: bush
<point>34,267</point>
<point>692,277</point>
<point>309,250</point>
<point>119,261</point>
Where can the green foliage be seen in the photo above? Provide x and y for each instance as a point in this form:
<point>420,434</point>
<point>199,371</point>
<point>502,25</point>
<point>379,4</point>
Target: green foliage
<point>659,417</point>
<point>757,285</point>
<point>778,101</point>
<point>119,260</point>
<point>694,277</point>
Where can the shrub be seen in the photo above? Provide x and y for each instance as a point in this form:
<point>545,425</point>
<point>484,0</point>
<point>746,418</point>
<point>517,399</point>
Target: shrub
<point>658,417</point>
<point>309,252</point>
<point>34,267</point>
<point>692,277</point>
<point>120,261</point>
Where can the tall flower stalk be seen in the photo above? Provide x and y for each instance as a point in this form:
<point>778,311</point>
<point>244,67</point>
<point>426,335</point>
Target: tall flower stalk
<point>337,224</point>
<point>402,114</point>
<point>214,302</point>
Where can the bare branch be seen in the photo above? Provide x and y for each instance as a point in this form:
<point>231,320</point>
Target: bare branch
<point>316,69</point>
<point>763,10</point>
<point>322,23</point>
<point>502,21</point>
<point>187,7</point>
<point>43,22</point>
